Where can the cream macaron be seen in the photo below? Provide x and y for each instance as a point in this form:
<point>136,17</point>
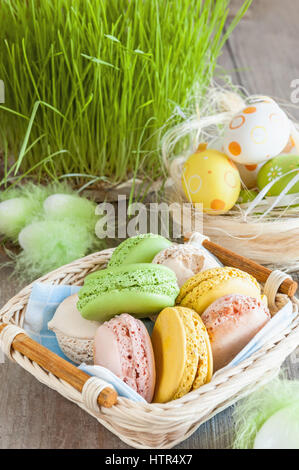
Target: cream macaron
<point>74,334</point>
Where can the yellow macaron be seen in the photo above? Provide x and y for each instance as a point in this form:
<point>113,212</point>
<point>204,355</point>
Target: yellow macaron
<point>203,289</point>
<point>182,353</point>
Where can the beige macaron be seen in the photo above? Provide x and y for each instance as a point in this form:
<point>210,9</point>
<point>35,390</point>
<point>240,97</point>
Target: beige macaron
<point>74,334</point>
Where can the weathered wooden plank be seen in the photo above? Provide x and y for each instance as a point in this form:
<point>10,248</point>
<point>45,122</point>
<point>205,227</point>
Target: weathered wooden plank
<point>265,46</point>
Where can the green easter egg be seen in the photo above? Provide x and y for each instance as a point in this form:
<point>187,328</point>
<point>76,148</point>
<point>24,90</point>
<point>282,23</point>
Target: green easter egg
<point>247,196</point>
<point>277,167</point>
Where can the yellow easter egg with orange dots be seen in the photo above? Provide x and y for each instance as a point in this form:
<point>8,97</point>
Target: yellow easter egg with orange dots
<point>211,178</point>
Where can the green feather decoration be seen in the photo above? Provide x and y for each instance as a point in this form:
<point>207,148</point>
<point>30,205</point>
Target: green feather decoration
<point>49,244</point>
<point>71,207</point>
<point>14,215</point>
<point>53,225</point>
<point>253,412</point>
<point>19,206</point>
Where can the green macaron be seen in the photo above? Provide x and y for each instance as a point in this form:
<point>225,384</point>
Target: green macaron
<point>140,249</point>
<point>139,289</point>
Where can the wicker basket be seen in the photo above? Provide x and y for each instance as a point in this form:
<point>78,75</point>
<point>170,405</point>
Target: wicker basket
<point>149,425</point>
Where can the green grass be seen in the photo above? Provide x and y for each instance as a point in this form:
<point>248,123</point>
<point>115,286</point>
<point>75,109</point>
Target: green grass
<point>89,83</point>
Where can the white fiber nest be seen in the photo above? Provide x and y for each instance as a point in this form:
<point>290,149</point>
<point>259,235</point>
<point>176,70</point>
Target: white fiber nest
<point>265,230</point>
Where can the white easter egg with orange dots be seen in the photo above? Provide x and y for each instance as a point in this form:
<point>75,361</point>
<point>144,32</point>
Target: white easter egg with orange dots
<point>257,133</point>
<point>212,179</point>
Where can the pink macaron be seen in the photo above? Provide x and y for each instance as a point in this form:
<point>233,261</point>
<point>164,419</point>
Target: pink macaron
<point>232,321</point>
<point>123,346</point>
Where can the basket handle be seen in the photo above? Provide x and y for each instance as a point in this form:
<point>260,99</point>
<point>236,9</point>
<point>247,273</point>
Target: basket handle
<point>59,367</point>
<point>261,273</point>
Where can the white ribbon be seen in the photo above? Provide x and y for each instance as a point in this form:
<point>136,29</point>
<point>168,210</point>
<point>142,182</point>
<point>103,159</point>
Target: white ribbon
<point>266,189</point>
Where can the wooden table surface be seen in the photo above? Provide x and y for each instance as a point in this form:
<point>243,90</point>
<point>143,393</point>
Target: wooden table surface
<point>261,56</point>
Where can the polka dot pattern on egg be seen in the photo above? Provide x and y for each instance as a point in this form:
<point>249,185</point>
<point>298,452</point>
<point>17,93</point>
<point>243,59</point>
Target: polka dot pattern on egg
<point>237,122</point>
<point>249,110</point>
<point>217,205</point>
<point>194,183</point>
<point>259,135</point>
<point>259,132</point>
<point>209,177</point>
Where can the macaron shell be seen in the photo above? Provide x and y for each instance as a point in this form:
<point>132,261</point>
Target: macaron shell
<point>192,352</point>
<point>186,260</point>
<point>182,352</point>
<point>146,250</point>
<point>169,325</point>
<point>143,357</point>
<point>212,275</point>
<point>67,320</point>
<point>199,299</point>
<point>75,335</point>
<point>144,270</point>
<point>123,346</point>
<point>206,287</point>
<point>232,321</point>
<point>140,289</point>
<point>139,304</point>
<point>106,351</point>
<point>140,249</point>
<point>76,349</point>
